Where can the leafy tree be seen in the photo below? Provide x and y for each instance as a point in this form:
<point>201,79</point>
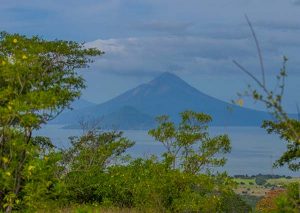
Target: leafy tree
<point>188,145</point>
<point>88,158</point>
<point>287,127</point>
<point>38,79</point>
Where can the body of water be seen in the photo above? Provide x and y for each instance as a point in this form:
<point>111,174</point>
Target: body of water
<point>253,150</point>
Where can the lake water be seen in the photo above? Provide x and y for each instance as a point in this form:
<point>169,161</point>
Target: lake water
<point>253,150</point>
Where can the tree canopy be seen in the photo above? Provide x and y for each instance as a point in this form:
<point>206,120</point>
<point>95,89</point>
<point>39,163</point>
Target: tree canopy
<point>38,79</point>
<point>188,145</point>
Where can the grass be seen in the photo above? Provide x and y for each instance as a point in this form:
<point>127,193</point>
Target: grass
<point>283,181</point>
<point>246,181</point>
<point>252,192</point>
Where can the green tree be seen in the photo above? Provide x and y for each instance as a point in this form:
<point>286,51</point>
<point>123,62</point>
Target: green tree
<point>189,145</point>
<point>88,158</point>
<point>38,80</point>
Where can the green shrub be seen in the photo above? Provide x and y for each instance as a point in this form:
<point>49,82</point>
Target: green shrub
<point>289,201</point>
<point>260,180</point>
<point>150,184</point>
<point>87,160</point>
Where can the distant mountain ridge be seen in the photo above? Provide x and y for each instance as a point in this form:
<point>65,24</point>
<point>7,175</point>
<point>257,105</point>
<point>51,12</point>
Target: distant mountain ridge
<point>167,94</point>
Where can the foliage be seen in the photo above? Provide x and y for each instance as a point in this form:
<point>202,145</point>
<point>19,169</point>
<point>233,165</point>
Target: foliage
<point>235,203</point>
<point>38,79</point>
<point>267,204</point>
<point>88,158</point>
<point>39,180</point>
<point>281,200</point>
<point>251,200</point>
<point>260,180</point>
<point>290,200</point>
<point>288,131</point>
<point>287,127</point>
<point>188,145</point>
<point>148,184</point>
<point>94,174</point>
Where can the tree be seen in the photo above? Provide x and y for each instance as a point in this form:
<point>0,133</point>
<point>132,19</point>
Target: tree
<point>188,145</point>
<point>287,127</point>
<point>38,80</point>
<point>86,161</point>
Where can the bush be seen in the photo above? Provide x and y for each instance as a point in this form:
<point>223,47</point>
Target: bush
<point>150,184</point>
<point>87,160</point>
<point>281,200</point>
<point>260,180</point>
<point>289,201</point>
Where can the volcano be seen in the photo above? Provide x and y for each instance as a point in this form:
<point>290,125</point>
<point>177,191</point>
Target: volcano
<point>167,94</point>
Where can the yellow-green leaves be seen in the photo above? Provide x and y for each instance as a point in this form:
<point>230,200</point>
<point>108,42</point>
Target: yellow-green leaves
<point>188,145</point>
<point>38,79</point>
<point>5,159</point>
<point>240,102</point>
<point>42,76</point>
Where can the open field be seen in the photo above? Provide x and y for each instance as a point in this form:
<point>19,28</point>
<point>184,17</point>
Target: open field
<point>283,181</point>
<point>251,192</point>
<point>247,186</point>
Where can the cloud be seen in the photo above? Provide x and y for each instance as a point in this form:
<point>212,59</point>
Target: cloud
<point>168,27</point>
<point>183,54</point>
<point>296,2</point>
<point>92,19</point>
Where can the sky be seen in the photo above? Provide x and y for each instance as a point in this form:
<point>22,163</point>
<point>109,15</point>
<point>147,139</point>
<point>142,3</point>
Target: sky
<point>194,39</point>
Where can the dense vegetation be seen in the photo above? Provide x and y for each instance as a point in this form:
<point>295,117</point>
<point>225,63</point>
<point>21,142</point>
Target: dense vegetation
<point>38,79</point>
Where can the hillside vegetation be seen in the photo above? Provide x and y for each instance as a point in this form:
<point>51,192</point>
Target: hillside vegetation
<point>38,80</point>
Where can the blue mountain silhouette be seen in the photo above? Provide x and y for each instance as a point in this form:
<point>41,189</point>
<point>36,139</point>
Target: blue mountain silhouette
<point>165,95</point>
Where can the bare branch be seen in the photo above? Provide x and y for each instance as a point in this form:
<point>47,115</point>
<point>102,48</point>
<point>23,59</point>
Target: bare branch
<point>258,51</point>
<point>248,73</point>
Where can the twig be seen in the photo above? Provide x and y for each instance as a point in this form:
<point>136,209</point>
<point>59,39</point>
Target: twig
<point>258,51</point>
